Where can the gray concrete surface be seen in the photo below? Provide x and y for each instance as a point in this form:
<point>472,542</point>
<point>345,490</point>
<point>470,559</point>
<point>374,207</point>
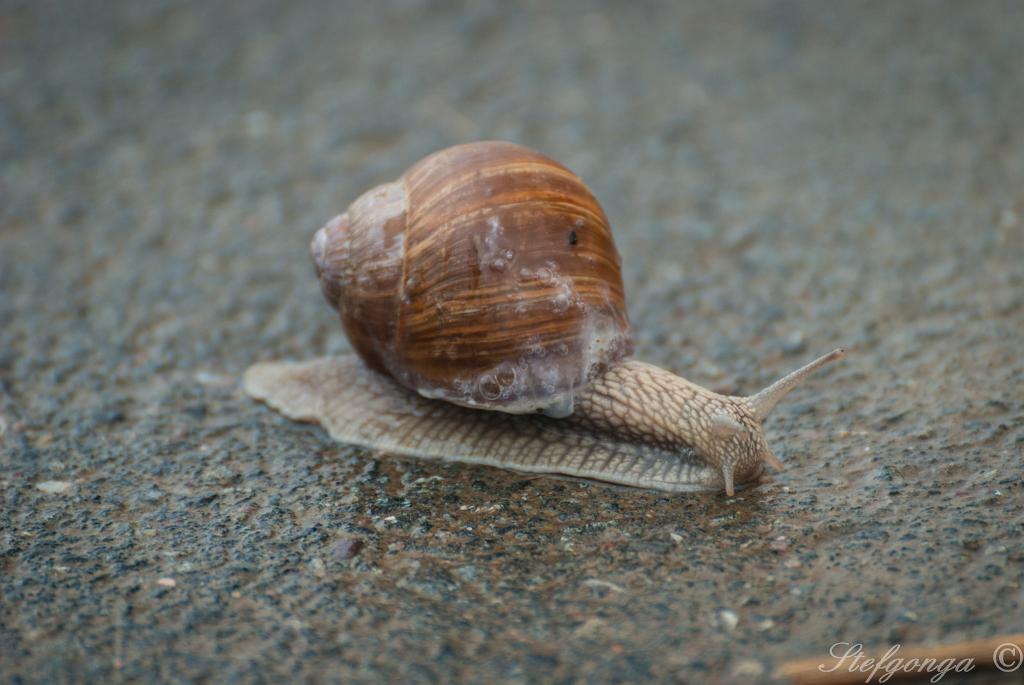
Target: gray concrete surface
<point>783,178</point>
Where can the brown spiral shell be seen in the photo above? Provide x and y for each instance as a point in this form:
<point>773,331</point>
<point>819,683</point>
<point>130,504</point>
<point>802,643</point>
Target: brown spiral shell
<point>486,275</point>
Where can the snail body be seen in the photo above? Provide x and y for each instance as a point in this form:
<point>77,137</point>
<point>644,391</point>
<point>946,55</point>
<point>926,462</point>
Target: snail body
<point>482,293</point>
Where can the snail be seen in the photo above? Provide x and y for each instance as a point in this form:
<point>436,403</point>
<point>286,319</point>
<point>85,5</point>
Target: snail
<point>482,295</point>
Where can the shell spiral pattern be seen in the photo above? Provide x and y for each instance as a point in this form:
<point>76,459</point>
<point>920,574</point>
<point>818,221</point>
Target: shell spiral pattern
<point>486,275</point>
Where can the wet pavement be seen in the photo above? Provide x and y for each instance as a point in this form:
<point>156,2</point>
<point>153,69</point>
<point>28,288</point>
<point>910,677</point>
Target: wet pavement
<point>782,179</point>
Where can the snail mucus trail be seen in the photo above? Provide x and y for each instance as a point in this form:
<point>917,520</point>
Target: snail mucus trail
<point>482,294</point>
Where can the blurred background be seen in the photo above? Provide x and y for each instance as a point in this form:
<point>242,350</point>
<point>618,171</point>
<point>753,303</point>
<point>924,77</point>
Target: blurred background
<point>782,178</point>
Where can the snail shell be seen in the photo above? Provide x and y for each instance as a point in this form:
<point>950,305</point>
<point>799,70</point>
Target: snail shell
<point>486,276</point>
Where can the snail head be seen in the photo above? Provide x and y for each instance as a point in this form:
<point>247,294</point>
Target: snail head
<point>738,447</point>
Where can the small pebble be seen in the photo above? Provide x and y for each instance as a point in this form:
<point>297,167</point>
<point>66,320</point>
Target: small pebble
<point>597,582</point>
<point>728,619</point>
<point>55,487</point>
<point>214,380</point>
<point>167,582</point>
<point>346,549</point>
<point>590,628</point>
<point>794,343</point>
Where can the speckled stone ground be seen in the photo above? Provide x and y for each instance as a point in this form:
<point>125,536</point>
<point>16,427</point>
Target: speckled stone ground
<point>783,178</point>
